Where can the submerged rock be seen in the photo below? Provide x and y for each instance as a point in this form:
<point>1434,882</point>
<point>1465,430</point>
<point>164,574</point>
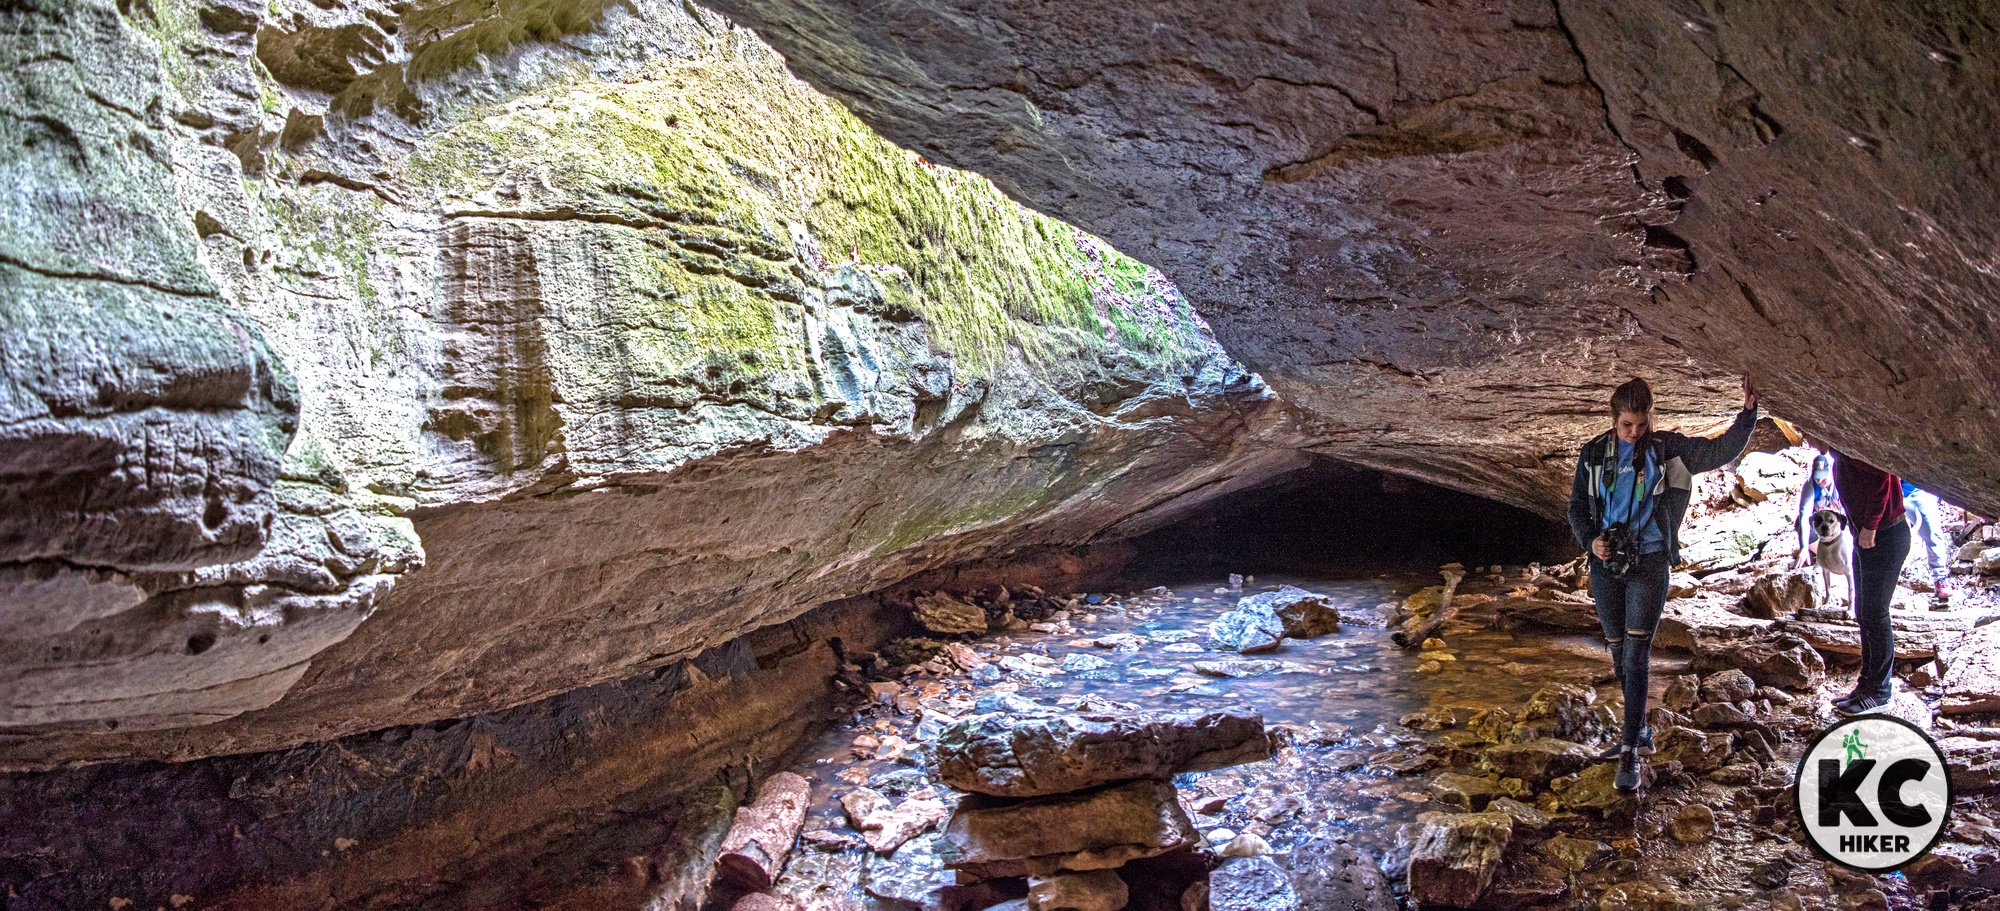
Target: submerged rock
<point>1100,829</point>
<point>1098,890</point>
<point>1251,884</point>
<point>1007,756</point>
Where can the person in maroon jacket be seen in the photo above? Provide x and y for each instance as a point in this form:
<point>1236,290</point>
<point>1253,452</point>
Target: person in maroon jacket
<point>1874,500</point>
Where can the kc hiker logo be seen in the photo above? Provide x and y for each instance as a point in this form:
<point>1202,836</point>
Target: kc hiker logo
<point>1873,793</point>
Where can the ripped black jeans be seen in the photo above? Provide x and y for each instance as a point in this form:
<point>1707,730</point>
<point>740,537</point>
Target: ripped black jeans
<point>1629,610</point>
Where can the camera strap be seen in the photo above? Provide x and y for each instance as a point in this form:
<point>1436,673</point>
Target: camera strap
<point>1643,459</point>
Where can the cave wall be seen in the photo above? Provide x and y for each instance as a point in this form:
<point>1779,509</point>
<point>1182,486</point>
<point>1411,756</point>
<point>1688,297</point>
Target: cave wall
<point>485,352</point>
<point>1447,230</point>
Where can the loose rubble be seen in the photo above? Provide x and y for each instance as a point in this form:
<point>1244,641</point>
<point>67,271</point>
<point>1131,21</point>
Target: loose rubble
<point>1100,751</point>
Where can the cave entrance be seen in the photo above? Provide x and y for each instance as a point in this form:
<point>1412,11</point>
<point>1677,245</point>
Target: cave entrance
<point>1334,519</point>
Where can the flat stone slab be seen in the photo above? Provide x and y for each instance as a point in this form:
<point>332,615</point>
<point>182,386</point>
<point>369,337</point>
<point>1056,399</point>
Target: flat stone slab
<point>1100,829</point>
<point>1011,756</point>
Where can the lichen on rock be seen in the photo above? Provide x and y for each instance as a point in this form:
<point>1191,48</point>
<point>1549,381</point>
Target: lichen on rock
<point>632,341</point>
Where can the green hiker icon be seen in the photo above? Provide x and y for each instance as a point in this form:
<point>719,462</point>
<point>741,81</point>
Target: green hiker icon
<point>1852,743</point>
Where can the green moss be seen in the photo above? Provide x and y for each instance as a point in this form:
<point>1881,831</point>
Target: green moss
<point>924,524</point>
<point>170,23</point>
<point>727,152</point>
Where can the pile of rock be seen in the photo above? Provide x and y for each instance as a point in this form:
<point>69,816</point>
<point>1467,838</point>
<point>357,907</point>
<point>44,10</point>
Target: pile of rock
<point>1532,790</point>
<point>995,608</point>
<point>1064,800</point>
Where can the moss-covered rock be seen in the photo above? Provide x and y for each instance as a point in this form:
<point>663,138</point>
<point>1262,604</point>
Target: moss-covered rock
<point>633,342</point>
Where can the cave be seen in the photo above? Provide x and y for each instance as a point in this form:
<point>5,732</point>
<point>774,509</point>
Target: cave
<point>770,455</point>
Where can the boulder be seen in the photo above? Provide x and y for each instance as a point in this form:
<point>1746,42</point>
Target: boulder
<point>1698,752</point>
<point>948,616</point>
<point>1238,667</point>
<point>1833,632</point>
<point>1645,895</point>
<point>1099,829</point>
<point>1694,823</point>
<point>1526,818</point>
<point>1683,691</point>
<point>1261,621</point>
<point>1972,681</point>
<point>1011,756</point>
<point>1305,615</point>
<point>1247,631</point>
<point>1768,657</point>
<point>885,827</point>
<point>1456,855</point>
<point>1098,890</point>
<point>1975,762</point>
<point>1474,792</point>
<point>1730,685</point>
<point>1537,761</point>
<point>1591,789</point>
<point>1574,855</point>
<point>1779,595</point>
<point>1565,711</point>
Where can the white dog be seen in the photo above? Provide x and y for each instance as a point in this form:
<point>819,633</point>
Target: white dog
<point>1833,550</point>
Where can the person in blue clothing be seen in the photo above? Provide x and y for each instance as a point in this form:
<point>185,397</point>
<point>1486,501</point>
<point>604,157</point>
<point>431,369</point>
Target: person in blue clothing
<point>1639,480</point>
<point>1923,509</point>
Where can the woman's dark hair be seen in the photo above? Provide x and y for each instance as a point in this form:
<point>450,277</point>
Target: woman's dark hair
<point>1635,397</point>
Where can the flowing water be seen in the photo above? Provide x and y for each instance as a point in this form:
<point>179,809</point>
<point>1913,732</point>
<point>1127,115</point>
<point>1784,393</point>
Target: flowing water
<point>1340,700</point>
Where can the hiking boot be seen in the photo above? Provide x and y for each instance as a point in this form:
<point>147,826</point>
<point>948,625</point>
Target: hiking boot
<point>1627,778</point>
<point>1645,745</point>
<point>1941,598</point>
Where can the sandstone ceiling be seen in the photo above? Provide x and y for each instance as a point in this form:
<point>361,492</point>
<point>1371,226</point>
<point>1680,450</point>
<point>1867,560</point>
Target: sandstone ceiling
<point>325,322</point>
<point>1445,230</point>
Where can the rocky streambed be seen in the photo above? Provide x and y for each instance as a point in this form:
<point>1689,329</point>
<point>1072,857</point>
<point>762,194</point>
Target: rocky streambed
<point>1107,734</point>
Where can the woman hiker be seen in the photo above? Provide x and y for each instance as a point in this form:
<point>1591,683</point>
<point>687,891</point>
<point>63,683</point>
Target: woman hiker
<point>1874,501</point>
<point>1632,487</point>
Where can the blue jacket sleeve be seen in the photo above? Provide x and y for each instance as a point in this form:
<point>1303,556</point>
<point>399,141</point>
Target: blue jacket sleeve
<point>1582,517</point>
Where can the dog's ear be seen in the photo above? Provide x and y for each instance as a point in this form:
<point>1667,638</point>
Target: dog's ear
<point>1843,520</point>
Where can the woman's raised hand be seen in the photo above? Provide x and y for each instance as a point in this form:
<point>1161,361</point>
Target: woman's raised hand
<point>1749,393</point>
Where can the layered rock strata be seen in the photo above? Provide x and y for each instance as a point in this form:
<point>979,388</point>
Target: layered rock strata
<point>1447,230</point>
<point>645,342</point>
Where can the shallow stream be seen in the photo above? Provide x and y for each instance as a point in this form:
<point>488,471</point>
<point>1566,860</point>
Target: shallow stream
<point>1341,698</point>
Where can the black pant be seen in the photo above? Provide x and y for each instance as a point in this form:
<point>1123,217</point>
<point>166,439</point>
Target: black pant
<point>1629,610</point>
<point>1876,570</point>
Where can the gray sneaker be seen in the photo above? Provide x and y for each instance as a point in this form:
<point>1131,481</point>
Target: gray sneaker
<point>1618,746</point>
<point>1627,778</point>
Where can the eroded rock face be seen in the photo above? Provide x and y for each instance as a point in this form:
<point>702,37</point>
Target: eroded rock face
<point>165,560</point>
<point>645,342</point>
<point>1435,226</point>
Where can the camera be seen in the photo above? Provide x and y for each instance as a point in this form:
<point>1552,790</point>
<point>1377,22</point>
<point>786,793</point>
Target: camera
<point>1619,539</point>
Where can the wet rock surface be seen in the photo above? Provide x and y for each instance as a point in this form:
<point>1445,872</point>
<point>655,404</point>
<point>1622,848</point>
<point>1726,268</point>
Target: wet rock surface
<point>1475,783</point>
<point>1011,756</point>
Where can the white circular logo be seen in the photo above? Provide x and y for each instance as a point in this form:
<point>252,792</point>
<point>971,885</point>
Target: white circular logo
<point>1873,793</point>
